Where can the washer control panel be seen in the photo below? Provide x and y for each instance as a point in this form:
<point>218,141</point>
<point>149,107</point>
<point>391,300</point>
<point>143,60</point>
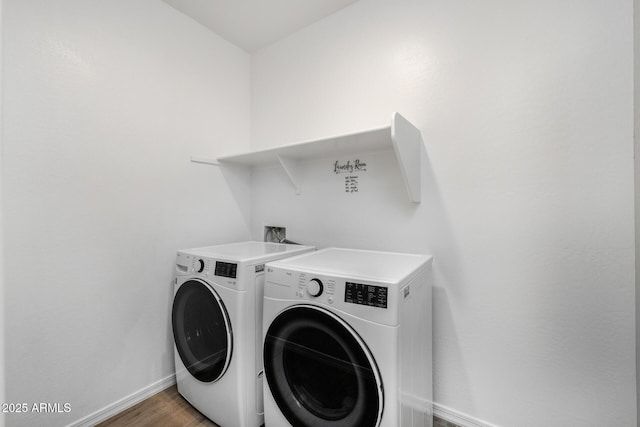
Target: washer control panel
<point>226,269</point>
<point>193,264</point>
<point>200,265</point>
<point>224,273</point>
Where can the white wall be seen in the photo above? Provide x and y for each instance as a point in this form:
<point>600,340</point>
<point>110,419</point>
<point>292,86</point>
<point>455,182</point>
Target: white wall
<point>104,102</point>
<point>526,109</point>
<point>2,298</point>
<point>636,123</point>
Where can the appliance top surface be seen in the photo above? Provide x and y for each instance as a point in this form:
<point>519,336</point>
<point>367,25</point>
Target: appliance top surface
<point>247,251</point>
<point>379,266</point>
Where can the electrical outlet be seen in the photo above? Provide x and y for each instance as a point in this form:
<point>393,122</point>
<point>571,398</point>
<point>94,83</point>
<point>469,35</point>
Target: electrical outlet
<point>275,234</point>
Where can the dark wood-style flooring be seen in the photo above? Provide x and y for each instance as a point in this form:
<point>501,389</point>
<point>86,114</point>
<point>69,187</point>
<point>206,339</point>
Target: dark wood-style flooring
<point>165,409</point>
<point>169,409</point>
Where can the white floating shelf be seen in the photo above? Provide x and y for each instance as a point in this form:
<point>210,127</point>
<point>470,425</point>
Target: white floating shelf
<point>400,136</point>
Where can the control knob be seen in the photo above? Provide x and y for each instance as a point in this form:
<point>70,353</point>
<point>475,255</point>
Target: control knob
<point>315,287</point>
<point>200,266</point>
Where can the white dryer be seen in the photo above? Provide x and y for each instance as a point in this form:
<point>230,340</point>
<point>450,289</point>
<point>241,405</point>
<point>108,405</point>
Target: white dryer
<point>217,324</point>
<point>347,340</point>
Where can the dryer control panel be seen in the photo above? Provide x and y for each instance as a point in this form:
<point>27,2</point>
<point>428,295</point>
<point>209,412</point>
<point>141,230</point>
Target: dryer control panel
<point>371,295</point>
<point>372,300</point>
<point>370,285</point>
<point>316,287</point>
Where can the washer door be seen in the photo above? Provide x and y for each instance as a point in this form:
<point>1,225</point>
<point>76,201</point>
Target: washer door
<point>201,330</point>
<point>320,372</point>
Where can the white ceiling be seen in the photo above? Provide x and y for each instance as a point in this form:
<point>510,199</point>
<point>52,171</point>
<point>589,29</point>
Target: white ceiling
<point>253,24</point>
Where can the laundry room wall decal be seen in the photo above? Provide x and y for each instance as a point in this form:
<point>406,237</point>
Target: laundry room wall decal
<point>350,167</point>
<point>351,184</point>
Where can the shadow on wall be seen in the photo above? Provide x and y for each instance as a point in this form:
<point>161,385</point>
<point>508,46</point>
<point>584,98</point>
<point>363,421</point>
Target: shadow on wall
<point>448,279</point>
<point>170,348</point>
<point>238,179</point>
<point>438,232</point>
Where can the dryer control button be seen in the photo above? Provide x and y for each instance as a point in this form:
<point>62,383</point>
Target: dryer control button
<point>330,300</point>
<point>315,287</point>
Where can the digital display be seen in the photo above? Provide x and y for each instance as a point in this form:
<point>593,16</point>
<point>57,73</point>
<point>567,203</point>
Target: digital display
<point>358,293</point>
<point>226,269</point>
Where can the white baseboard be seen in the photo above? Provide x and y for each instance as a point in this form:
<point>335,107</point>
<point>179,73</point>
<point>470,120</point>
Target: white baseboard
<point>440,411</point>
<point>125,403</point>
<point>458,418</point>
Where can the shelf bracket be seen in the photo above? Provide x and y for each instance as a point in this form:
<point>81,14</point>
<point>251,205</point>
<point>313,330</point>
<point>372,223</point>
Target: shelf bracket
<point>204,160</point>
<point>407,140</point>
<point>290,167</point>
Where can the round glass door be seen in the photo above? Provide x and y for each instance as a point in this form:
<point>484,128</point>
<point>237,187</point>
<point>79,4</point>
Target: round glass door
<point>320,372</point>
<point>201,331</point>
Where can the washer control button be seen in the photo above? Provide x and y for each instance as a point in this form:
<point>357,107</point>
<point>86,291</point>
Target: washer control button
<point>200,266</point>
<point>330,300</point>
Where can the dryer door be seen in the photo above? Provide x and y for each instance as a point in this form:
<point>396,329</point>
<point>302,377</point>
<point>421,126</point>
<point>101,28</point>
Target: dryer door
<point>320,372</point>
<point>202,330</point>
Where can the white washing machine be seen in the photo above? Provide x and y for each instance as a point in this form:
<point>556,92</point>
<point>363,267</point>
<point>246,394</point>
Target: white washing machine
<point>347,340</point>
<point>217,328</point>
